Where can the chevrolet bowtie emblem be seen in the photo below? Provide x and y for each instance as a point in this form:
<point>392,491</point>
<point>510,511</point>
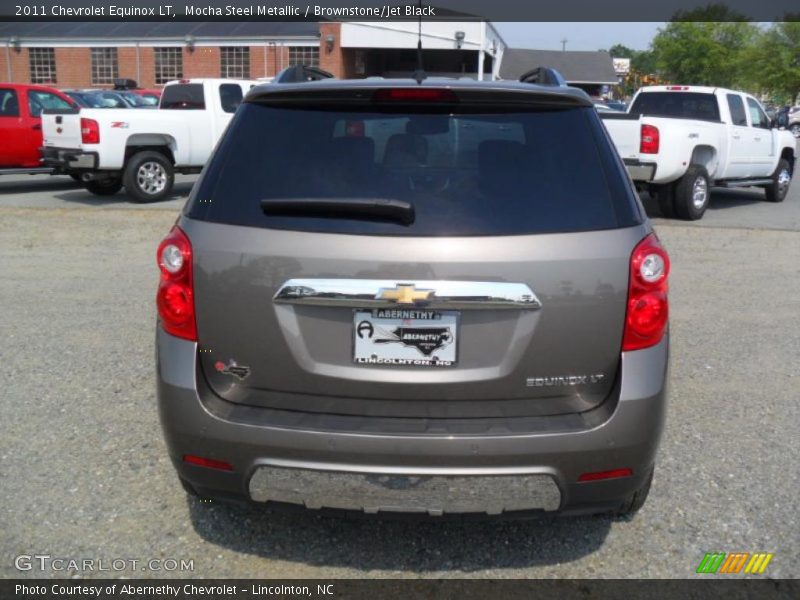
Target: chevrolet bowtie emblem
<point>404,293</point>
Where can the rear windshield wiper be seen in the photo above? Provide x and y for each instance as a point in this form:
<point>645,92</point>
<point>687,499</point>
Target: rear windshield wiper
<point>342,208</point>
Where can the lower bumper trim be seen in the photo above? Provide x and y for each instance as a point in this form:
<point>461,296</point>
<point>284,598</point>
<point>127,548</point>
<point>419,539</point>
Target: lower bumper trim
<point>69,158</point>
<point>406,493</point>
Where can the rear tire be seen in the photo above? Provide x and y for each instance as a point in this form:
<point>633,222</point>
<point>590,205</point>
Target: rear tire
<point>781,179</point>
<point>665,194</point>
<point>636,501</point>
<point>692,193</point>
<point>795,129</point>
<point>104,187</point>
<point>148,176</point>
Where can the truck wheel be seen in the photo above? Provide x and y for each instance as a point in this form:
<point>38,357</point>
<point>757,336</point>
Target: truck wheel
<point>148,176</point>
<point>636,500</point>
<point>781,178</point>
<point>104,187</point>
<point>692,193</point>
<point>795,129</point>
<point>665,194</point>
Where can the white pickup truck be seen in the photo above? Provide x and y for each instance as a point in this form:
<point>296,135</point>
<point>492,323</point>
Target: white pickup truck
<point>142,149</point>
<point>678,141</point>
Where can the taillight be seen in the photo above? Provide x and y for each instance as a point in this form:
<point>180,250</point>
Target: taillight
<point>90,131</point>
<point>649,140</point>
<point>648,308</point>
<point>600,475</point>
<point>175,296</point>
<point>208,463</point>
<point>417,94</point>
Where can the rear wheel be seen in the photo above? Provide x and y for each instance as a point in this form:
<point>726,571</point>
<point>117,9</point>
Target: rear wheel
<point>781,178</point>
<point>795,129</point>
<point>104,187</point>
<point>636,500</point>
<point>148,176</point>
<point>692,193</point>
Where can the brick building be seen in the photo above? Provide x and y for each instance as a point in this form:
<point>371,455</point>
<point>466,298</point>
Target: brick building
<point>73,54</point>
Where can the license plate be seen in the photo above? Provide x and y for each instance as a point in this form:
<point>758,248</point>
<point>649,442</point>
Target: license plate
<point>405,337</point>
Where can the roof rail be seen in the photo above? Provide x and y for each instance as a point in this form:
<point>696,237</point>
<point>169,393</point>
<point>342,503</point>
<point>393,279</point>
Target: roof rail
<point>543,76</point>
<point>299,73</point>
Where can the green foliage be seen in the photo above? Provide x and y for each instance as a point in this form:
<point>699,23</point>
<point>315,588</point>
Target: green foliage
<point>703,53</point>
<point>621,51</point>
<point>718,47</point>
<point>774,62</point>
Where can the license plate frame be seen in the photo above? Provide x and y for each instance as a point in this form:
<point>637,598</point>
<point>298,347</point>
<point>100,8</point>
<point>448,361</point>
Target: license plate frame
<point>406,337</point>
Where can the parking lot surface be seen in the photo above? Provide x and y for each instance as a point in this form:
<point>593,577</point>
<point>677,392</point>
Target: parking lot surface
<point>85,474</point>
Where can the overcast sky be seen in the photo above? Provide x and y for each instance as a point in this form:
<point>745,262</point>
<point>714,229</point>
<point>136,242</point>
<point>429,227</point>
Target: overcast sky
<point>579,36</point>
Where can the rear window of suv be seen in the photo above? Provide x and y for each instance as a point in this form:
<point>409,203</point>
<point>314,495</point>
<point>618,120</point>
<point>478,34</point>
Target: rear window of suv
<point>465,174</point>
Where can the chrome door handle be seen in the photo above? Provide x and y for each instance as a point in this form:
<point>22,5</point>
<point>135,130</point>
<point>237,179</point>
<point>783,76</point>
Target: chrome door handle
<point>371,293</point>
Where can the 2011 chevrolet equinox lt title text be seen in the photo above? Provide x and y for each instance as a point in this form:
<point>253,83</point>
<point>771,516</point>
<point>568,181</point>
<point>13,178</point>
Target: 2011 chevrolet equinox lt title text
<point>391,296</point>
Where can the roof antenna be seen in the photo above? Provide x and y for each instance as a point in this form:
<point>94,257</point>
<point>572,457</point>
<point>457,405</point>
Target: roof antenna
<point>419,75</point>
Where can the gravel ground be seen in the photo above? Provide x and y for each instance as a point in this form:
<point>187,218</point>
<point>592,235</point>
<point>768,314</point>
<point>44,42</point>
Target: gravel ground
<point>85,474</point>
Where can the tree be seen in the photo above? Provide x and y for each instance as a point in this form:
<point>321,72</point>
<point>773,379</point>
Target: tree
<point>644,61</point>
<point>704,46</point>
<point>621,51</point>
<point>773,61</point>
<point>642,65</point>
<point>703,53</point>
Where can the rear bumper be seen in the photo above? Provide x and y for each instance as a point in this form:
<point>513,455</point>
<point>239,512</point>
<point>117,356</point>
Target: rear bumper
<point>446,473</point>
<point>640,171</point>
<point>69,159</point>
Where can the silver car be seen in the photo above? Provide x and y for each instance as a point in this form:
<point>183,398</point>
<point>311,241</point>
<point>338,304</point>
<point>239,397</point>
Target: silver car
<point>437,298</point>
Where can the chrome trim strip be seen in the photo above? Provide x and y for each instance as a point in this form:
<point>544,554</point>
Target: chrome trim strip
<point>413,493</point>
<point>365,293</point>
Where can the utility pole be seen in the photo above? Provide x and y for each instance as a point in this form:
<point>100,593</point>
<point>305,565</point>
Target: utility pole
<point>564,44</point>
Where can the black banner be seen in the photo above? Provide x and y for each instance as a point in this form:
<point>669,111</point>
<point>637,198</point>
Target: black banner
<point>461,589</point>
<point>392,10</point>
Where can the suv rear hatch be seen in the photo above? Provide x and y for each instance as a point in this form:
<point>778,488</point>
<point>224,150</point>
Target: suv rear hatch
<point>459,255</point>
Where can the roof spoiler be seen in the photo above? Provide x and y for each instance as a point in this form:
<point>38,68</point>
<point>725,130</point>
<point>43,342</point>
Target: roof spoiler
<point>300,73</point>
<point>543,76</point>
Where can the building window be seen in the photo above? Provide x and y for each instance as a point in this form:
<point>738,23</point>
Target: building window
<point>43,65</point>
<point>235,62</point>
<point>105,66</point>
<point>304,55</point>
<point>169,64</point>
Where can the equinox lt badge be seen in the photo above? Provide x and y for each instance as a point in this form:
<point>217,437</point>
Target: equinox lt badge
<point>567,380</point>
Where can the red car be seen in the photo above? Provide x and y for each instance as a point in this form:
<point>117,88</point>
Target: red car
<point>21,106</point>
